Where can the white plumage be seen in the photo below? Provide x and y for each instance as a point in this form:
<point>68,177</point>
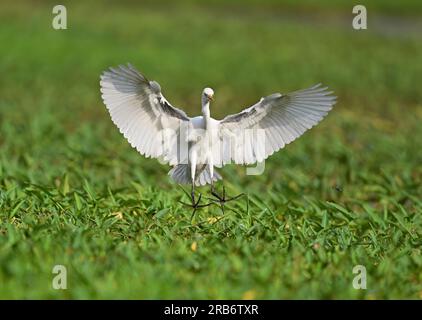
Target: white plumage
<point>194,146</point>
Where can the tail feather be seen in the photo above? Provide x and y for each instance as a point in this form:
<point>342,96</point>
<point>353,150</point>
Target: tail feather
<point>181,174</point>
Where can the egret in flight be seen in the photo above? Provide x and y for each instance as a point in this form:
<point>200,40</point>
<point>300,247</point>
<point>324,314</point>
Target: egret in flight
<point>194,147</point>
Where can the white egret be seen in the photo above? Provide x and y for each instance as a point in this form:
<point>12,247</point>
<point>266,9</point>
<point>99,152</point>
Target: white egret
<point>194,146</point>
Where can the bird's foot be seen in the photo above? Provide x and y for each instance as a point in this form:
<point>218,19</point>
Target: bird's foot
<point>195,205</point>
<point>223,199</point>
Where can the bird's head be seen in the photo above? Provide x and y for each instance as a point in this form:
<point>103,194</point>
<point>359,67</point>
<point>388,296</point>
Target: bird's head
<point>208,94</point>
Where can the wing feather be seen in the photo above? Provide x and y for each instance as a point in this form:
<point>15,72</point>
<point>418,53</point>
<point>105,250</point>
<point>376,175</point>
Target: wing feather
<point>283,118</point>
<point>140,111</point>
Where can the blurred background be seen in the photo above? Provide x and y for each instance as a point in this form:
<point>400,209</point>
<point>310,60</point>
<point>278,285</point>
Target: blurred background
<point>59,148</point>
<point>244,50</point>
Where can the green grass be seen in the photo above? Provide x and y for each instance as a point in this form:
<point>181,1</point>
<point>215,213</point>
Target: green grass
<point>73,192</point>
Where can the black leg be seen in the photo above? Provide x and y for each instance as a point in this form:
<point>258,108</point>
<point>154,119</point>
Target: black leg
<point>192,194</point>
<point>213,192</point>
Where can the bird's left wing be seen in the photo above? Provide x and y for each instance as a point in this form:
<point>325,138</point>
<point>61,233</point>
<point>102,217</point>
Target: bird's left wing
<point>276,120</point>
<point>142,114</point>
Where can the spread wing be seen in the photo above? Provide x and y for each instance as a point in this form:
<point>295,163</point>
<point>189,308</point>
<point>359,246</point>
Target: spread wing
<point>276,120</point>
<point>142,114</point>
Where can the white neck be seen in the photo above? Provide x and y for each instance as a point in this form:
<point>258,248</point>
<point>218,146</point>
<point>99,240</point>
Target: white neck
<point>206,111</point>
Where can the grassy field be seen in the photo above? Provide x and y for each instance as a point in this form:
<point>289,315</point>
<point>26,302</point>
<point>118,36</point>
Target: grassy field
<point>73,192</point>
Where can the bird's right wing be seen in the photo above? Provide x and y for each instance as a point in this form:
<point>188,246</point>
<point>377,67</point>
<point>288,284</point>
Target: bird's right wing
<point>276,120</point>
<point>145,118</point>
